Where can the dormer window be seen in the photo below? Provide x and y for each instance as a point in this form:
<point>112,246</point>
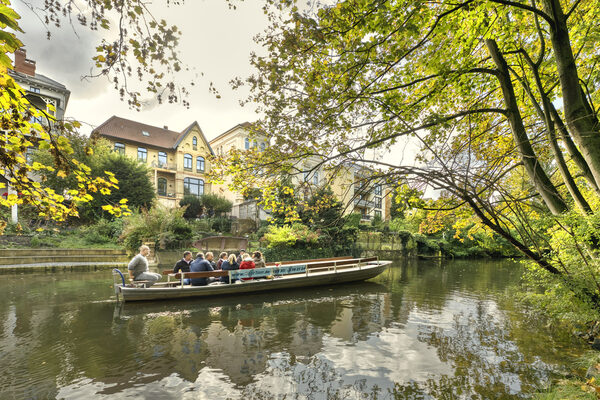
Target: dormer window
<point>145,133</point>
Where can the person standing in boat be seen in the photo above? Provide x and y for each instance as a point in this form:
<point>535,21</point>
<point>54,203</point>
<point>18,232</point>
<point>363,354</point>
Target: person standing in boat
<point>183,265</point>
<point>229,265</point>
<point>138,267</point>
<point>201,264</point>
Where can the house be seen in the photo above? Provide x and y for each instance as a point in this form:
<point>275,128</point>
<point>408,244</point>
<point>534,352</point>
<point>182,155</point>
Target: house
<point>178,160</point>
<point>42,92</point>
<point>240,137</point>
<point>351,184</point>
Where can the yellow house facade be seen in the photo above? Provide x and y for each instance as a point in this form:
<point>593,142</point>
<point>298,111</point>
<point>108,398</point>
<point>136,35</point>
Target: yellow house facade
<point>179,161</point>
<point>351,185</point>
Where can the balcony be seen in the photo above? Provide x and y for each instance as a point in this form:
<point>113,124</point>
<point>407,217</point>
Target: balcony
<point>161,165</point>
<point>364,203</point>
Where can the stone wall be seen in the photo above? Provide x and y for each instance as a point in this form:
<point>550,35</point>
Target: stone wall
<point>387,245</point>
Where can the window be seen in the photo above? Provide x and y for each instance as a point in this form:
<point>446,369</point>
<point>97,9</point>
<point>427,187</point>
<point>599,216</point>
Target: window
<point>34,89</point>
<point>254,143</point>
<point>145,133</point>
<point>263,146</point>
<point>195,142</point>
<point>377,202</point>
<point>162,159</point>
<point>378,190</point>
<point>162,187</point>
<point>142,154</point>
<point>29,155</point>
<point>377,214</point>
<point>246,143</point>
<point>193,186</point>
<point>306,173</point>
<point>316,178</point>
<point>199,164</point>
<point>187,161</point>
<point>119,148</point>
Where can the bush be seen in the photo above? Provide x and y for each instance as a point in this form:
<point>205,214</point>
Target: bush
<point>194,207</point>
<point>426,246</point>
<point>164,226</point>
<point>295,235</point>
<point>221,224</point>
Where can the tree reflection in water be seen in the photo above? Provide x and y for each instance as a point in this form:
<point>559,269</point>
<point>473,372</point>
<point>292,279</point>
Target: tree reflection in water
<point>420,331</point>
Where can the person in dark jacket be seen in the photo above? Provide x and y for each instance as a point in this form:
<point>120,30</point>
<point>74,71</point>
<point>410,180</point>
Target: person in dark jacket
<point>183,265</point>
<point>228,265</point>
<point>222,257</point>
<point>240,257</point>
<point>200,264</point>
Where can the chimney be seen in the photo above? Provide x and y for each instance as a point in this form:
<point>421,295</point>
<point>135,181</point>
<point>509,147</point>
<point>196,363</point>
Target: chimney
<point>166,127</point>
<point>22,64</point>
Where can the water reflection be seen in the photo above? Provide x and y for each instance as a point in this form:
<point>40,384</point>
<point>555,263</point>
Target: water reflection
<point>420,330</point>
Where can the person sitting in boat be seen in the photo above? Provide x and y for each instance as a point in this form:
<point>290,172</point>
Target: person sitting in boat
<point>259,261</point>
<point>222,258</point>
<point>247,263</point>
<point>138,268</point>
<point>229,265</point>
<point>183,265</point>
<point>240,257</point>
<point>201,264</point>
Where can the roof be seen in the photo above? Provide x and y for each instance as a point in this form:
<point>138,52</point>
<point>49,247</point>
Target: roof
<point>125,129</point>
<point>246,125</point>
<point>41,79</point>
<point>187,130</point>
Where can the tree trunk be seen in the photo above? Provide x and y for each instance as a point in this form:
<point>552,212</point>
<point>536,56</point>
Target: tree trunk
<point>572,149</point>
<point>530,161</point>
<point>546,115</point>
<point>583,125</point>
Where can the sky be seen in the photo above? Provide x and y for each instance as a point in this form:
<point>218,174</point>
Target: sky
<point>216,41</point>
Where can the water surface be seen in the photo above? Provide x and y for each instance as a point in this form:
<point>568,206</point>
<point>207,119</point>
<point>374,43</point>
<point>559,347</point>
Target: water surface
<point>421,330</point>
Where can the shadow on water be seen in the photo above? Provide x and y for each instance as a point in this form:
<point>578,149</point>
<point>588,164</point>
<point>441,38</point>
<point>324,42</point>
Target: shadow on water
<point>420,330</point>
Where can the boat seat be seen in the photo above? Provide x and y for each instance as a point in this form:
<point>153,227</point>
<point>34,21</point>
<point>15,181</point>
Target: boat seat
<point>140,283</point>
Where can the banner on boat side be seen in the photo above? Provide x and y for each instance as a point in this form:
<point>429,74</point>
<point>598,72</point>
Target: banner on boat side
<point>262,272</point>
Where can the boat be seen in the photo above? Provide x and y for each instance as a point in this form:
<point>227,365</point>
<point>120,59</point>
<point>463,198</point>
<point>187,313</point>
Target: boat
<point>275,276</point>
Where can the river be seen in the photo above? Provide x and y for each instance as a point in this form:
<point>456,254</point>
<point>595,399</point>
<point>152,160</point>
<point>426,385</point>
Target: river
<point>421,330</point>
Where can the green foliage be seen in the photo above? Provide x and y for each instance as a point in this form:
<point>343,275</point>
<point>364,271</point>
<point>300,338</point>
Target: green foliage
<point>353,220</point>
<point>162,225</point>
<point>194,206</point>
<point>295,235</point>
<point>221,224</point>
<point>426,246</point>
<point>134,185</point>
<point>215,205</point>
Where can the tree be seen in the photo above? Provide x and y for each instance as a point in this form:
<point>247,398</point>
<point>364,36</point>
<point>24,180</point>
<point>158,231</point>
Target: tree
<point>135,186</point>
<point>215,205</point>
<point>474,83</point>
<point>143,51</point>
<point>194,207</point>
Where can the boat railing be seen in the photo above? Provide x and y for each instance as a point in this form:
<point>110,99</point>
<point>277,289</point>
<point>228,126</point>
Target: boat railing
<point>277,270</point>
